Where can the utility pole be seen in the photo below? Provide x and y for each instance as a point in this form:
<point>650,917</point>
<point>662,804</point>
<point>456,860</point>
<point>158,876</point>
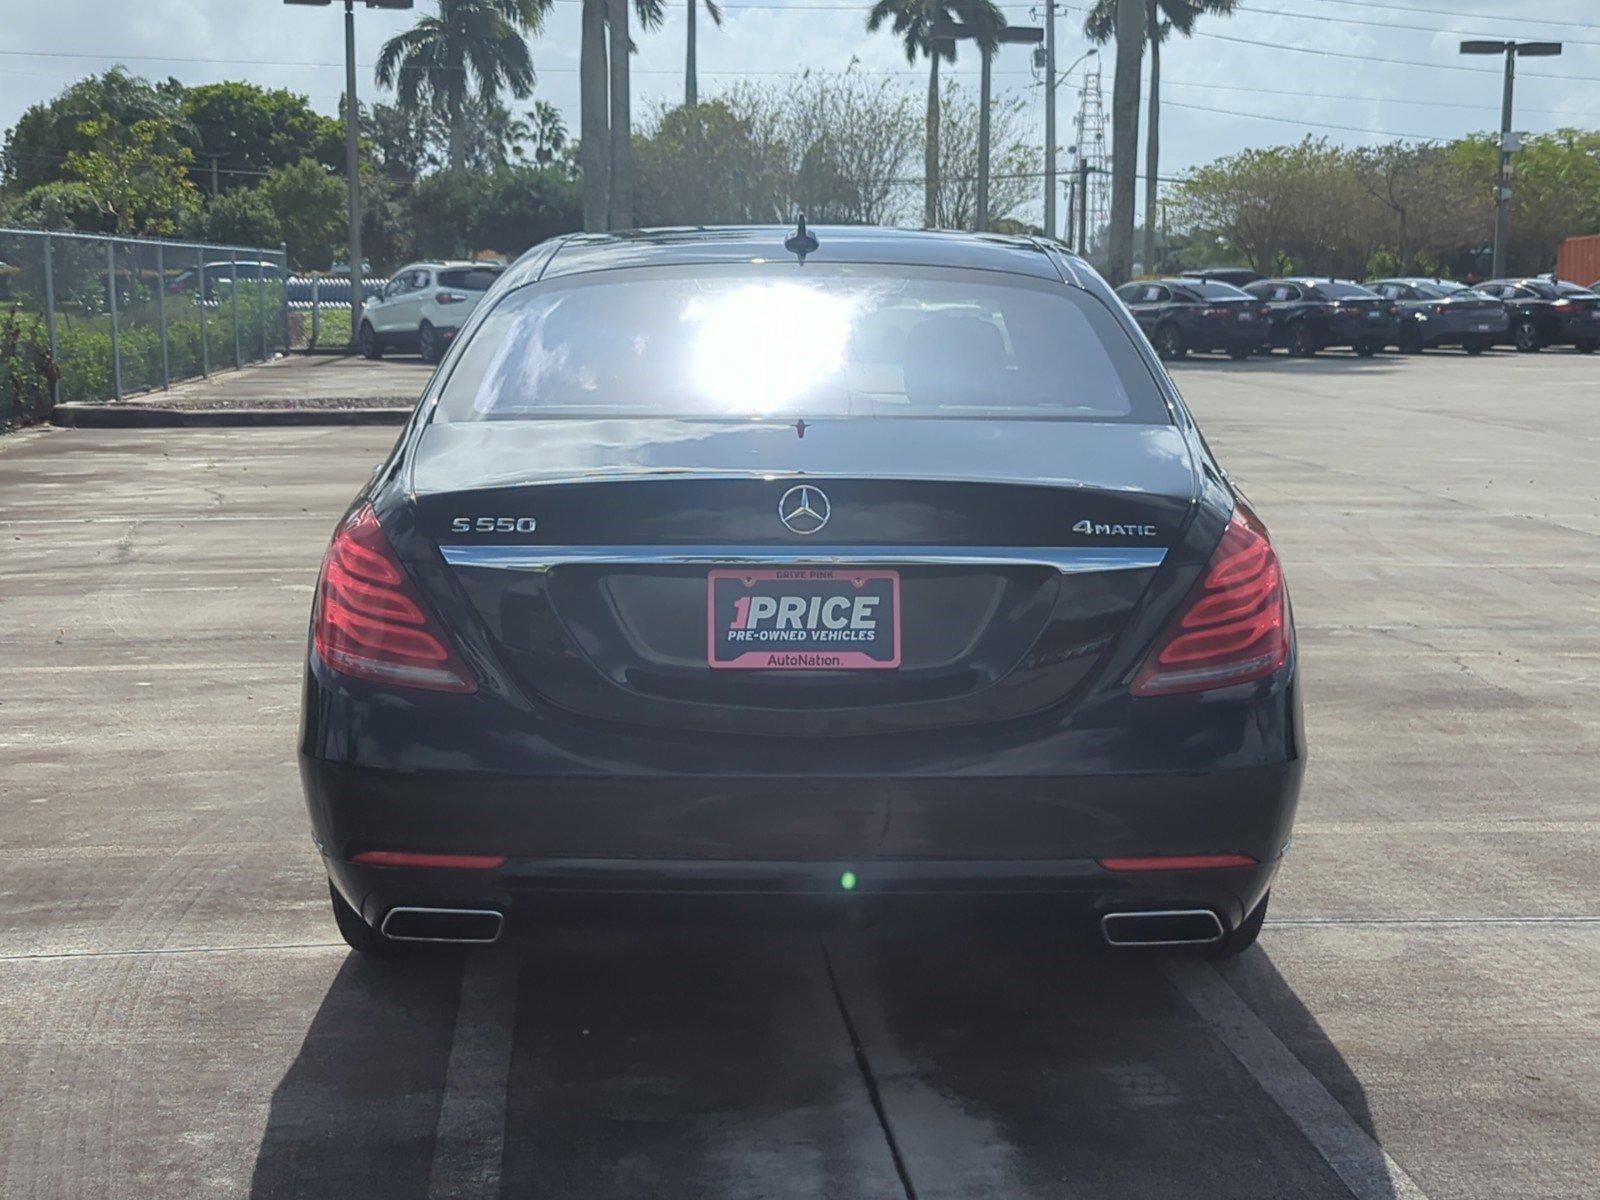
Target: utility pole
<point>1508,142</point>
<point>1083,206</point>
<point>352,147</point>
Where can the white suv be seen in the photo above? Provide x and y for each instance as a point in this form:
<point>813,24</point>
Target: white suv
<point>423,307</point>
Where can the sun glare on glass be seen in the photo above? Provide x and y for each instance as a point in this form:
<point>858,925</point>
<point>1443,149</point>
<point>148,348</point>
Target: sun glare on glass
<point>760,345</point>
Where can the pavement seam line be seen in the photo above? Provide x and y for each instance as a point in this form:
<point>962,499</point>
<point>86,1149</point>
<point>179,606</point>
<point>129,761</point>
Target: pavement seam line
<point>469,1140</point>
<point>1364,1166</point>
<point>864,1065</point>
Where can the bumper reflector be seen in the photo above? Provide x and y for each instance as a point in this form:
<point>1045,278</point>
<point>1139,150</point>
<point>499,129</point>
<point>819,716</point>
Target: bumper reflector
<point>1177,862</point>
<point>405,858</point>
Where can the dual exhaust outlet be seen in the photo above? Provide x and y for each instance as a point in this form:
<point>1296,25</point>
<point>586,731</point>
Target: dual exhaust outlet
<point>1170,927</point>
<point>483,926</point>
<point>456,926</point>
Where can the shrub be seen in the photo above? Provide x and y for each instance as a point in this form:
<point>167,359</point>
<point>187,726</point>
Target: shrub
<point>27,371</point>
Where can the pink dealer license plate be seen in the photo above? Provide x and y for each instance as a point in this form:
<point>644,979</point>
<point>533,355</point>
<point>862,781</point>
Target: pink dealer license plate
<point>803,619</point>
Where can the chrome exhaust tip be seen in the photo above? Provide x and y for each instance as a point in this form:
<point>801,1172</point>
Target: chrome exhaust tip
<point>1168,927</point>
<point>460,926</point>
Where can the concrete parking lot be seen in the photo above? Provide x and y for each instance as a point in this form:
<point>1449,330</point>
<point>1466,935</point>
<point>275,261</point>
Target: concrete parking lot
<point>1421,1018</point>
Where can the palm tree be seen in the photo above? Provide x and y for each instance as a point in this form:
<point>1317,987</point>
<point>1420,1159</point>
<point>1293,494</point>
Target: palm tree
<point>1161,18</point>
<point>650,14</point>
<point>914,21</point>
<point>468,42</point>
<point>691,81</point>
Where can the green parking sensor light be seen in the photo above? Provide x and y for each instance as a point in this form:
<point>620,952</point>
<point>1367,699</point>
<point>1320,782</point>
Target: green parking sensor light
<point>848,881</point>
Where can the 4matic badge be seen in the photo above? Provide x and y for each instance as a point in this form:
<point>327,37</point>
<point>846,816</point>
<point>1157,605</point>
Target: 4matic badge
<point>1101,529</point>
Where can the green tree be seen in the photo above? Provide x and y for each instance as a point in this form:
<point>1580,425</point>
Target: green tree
<point>709,164</point>
<point>140,188</point>
<point>68,205</point>
<point>37,146</point>
<point>506,210</point>
<point>469,46</point>
<point>250,130</point>
<point>309,204</point>
<point>1161,18</point>
<point>913,22</point>
<point>242,217</point>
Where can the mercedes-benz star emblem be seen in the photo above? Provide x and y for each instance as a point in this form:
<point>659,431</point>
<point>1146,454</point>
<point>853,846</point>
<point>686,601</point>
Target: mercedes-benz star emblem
<point>804,509</point>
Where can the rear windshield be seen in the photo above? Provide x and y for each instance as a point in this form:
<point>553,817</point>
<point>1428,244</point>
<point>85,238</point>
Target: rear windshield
<point>470,279</point>
<point>1572,289</point>
<point>1334,290</point>
<point>777,339</point>
<point>1212,289</point>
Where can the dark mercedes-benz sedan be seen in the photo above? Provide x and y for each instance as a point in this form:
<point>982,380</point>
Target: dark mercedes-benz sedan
<point>848,571</point>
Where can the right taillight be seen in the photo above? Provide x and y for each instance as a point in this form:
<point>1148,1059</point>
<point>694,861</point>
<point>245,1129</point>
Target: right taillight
<point>369,620</point>
<point>1233,626</point>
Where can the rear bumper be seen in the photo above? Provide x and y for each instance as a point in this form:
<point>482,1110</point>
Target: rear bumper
<point>1241,336</point>
<point>1070,896</point>
<point>775,848</point>
<point>1456,328</point>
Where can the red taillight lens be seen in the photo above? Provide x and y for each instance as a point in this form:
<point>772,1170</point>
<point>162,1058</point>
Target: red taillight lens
<point>370,622</point>
<point>1234,625</point>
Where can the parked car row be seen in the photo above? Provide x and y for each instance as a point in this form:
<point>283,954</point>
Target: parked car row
<point>1227,311</point>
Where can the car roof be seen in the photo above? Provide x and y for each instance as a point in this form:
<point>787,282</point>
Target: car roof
<point>582,253</point>
<point>449,264</point>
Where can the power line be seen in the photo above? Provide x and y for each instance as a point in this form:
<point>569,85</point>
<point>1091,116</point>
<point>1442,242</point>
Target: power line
<point>1320,17</point>
<point>1239,87</point>
<point>1230,112</point>
<point>1522,17</point>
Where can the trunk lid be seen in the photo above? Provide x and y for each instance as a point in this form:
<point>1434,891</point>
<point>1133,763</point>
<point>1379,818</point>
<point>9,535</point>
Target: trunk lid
<point>1020,550</point>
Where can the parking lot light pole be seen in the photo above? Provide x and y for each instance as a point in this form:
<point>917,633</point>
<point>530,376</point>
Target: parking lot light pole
<point>1502,183</point>
<point>352,138</point>
<point>949,32</point>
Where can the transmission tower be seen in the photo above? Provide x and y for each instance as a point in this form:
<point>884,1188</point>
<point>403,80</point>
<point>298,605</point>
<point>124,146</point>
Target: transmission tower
<point>1090,126</point>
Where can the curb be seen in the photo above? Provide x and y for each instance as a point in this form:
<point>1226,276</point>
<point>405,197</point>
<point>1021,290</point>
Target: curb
<point>152,416</point>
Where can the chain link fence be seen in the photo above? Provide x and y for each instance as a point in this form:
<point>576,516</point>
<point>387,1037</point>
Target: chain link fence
<point>126,315</point>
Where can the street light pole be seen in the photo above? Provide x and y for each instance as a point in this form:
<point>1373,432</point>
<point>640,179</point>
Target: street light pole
<point>946,31</point>
<point>352,147</point>
<point>1502,181</point>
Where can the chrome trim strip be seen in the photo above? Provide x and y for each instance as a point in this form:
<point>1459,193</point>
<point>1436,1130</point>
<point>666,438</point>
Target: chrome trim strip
<point>1075,560</point>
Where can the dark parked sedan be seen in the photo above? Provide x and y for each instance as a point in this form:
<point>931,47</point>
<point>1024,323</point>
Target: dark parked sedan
<point>1309,315</point>
<point>1438,312</point>
<point>1179,315</point>
<point>1548,312</point>
<point>853,570</point>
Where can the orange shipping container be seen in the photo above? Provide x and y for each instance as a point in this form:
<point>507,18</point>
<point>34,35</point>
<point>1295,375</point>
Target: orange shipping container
<point>1579,259</point>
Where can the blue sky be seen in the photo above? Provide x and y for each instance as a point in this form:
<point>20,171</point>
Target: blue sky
<point>1312,66</point>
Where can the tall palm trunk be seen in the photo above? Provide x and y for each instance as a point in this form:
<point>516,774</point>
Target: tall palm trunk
<point>621,119</point>
<point>1152,137</point>
<point>458,133</point>
<point>691,85</point>
<point>594,149</point>
<point>930,161</point>
<point>1125,138</point>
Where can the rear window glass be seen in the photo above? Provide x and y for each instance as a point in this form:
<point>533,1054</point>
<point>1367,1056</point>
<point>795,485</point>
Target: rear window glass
<point>470,279</point>
<point>1212,289</point>
<point>1572,289</point>
<point>835,340</point>
<point>1335,290</point>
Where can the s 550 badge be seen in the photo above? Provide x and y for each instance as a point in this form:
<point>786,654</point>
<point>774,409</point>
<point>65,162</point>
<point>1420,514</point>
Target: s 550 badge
<point>493,524</point>
<point>1097,529</point>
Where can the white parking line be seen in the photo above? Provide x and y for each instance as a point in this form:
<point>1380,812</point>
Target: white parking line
<point>470,1140</point>
<point>1363,1165</point>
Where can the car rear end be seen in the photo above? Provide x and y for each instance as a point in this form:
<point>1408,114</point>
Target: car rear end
<point>1228,319</point>
<point>1463,317</point>
<point>1578,310</point>
<point>1034,663</point>
<point>458,290</point>
<point>1357,317</point>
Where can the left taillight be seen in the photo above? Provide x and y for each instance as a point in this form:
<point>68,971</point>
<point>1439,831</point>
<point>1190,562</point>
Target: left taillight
<point>370,622</point>
<point>1233,626</point>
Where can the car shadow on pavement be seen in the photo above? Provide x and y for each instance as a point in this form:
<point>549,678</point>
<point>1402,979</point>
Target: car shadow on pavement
<point>1329,363</point>
<point>774,1066</point>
